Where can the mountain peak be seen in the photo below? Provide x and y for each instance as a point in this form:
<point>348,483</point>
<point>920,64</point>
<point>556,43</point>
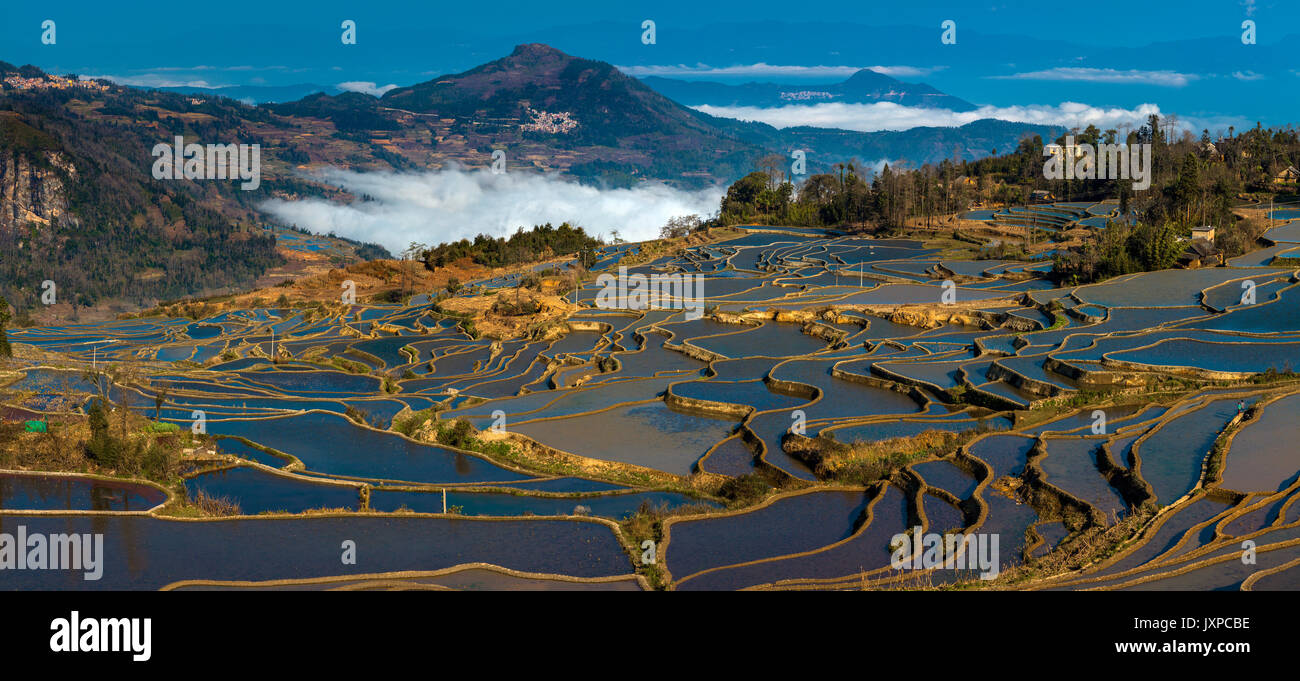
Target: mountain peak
<point>869,77</point>
<point>534,75</point>
<point>537,51</point>
<point>865,86</point>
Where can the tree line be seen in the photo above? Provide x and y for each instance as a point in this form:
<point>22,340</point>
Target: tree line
<point>1195,181</point>
<point>539,243</point>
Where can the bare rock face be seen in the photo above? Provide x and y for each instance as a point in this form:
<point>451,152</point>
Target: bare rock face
<point>930,317</point>
<point>796,316</point>
<point>31,193</point>
<point>916,316</point>
<point>426,432</point>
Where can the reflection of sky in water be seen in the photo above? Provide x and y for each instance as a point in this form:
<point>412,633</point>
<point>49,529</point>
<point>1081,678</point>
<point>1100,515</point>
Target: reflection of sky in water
<point>799,271</point>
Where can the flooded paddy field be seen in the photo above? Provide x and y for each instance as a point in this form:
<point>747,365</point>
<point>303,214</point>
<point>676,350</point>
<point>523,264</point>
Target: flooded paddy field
<point>142,552</point>
<point>75,493</point>
<point>746,430</point>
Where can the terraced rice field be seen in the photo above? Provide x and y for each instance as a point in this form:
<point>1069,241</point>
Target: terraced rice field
<point>809,342</point>
<point>1050,218</point>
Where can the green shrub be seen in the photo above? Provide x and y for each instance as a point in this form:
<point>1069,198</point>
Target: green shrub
<point>459,434</point>
<point>746,488</point>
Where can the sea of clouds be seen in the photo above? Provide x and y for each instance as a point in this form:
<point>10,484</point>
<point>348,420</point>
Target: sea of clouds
<point>395,209</point>
<point>890,116</point>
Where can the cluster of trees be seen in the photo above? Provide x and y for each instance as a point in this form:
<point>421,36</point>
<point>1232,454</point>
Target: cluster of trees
<point>120,222</point>
<point>677,226</point>
<point>112,438</point>
<point>515,308</point>
<point>1194,181</point>
<point>850,195</point>
<point>539,243</point>
<point>350,112</point>
<point>153,457</point>
<point>1119,249</point>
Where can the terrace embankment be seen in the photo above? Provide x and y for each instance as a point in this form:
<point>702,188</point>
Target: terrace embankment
<point>866,462</point>
<point>961,237</point>
<point>121,446</point>
<point>393,279</point>
<point>525,452</point>
<point>650,250</point>
<point>492,319</point>
<point>929,316</point>
<point>389,280</point>
<point>695,405</point>
<point>889,404</point>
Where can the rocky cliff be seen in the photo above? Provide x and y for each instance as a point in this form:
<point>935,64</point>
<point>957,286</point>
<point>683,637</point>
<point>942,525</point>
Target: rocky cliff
<point>31,193</point>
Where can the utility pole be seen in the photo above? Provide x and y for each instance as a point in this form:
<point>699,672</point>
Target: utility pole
<point>862,266</point>
<point>94,351</point>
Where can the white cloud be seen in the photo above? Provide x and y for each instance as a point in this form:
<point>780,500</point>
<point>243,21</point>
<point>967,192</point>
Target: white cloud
<point>906,71</point>
<point>151,80</point>
<point>208,67</point>
<point>447,205</point>
<point>1247,75</point>
<point>773,71</point>
<point>191,76</point>
<point>890,116</point>
<point>877,166</point>
<point>365,87</point>
<point>1091,75</point>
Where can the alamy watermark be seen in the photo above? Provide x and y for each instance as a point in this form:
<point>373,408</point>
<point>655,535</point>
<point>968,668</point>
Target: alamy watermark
<point>209,162</point>
<point>656,291</point>
<point>77,634</point>
<point>37,551</point>
<point>1101,162</point>
<point>648,32</point>
<point>956,551</point>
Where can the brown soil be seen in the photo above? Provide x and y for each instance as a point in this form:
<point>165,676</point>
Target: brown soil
<point>503,327</point>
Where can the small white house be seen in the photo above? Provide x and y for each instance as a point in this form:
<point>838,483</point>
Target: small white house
<point>1203,232</point>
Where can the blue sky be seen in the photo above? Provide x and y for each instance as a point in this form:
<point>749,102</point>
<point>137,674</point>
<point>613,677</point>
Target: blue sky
<point>1106,62</point>
<point>1108,22</point>
<point>1183,57</point>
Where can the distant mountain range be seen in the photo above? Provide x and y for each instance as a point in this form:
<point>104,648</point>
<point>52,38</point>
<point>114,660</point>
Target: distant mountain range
<point>549,110</point>
<point>256,94</point>
<point>541,105</point>
<point>81,184</point>
<point>864,87</point>
<point>1192,63</point>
